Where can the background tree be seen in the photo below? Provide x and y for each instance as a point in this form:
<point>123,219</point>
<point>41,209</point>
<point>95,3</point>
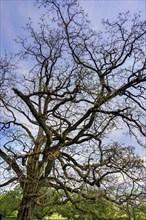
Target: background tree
<point>9,202</point>
<point>50,203</point>
<point>78,87</point>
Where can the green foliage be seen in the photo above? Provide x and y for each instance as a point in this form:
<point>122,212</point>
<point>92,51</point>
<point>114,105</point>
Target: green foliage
<point>140,212</point>
<point>82,209</point>
<point>9,218</point>
<point>90,210</point>
<point>9,202</point>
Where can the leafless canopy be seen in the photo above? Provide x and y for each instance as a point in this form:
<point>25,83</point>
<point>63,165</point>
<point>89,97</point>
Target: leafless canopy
<point>77,88</point>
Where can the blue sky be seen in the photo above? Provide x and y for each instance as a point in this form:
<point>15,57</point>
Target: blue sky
<point>108,9</point>
<point>15,13</point>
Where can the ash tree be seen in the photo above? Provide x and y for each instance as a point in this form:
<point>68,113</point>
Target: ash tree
<point>70,90</point>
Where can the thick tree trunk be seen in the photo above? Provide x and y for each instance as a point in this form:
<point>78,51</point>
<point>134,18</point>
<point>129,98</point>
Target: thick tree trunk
<point>28,202</point>
<point>26,209</point>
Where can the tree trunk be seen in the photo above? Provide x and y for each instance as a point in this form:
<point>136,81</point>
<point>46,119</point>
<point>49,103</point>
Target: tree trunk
<point>28,202</point>
<point>26,209</point>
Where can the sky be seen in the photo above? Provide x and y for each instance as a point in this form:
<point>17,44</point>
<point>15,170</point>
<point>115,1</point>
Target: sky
<point>15,13</point>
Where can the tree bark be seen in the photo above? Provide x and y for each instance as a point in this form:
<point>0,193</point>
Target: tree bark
<point>28,202</point>
<point>26,209</point>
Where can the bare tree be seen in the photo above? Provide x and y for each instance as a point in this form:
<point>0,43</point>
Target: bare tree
<point>77,88</point>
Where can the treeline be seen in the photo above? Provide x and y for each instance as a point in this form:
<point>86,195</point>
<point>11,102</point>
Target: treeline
<point>52,202</point>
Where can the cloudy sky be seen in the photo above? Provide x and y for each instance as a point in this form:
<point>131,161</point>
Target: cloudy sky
<point>15,13</point>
